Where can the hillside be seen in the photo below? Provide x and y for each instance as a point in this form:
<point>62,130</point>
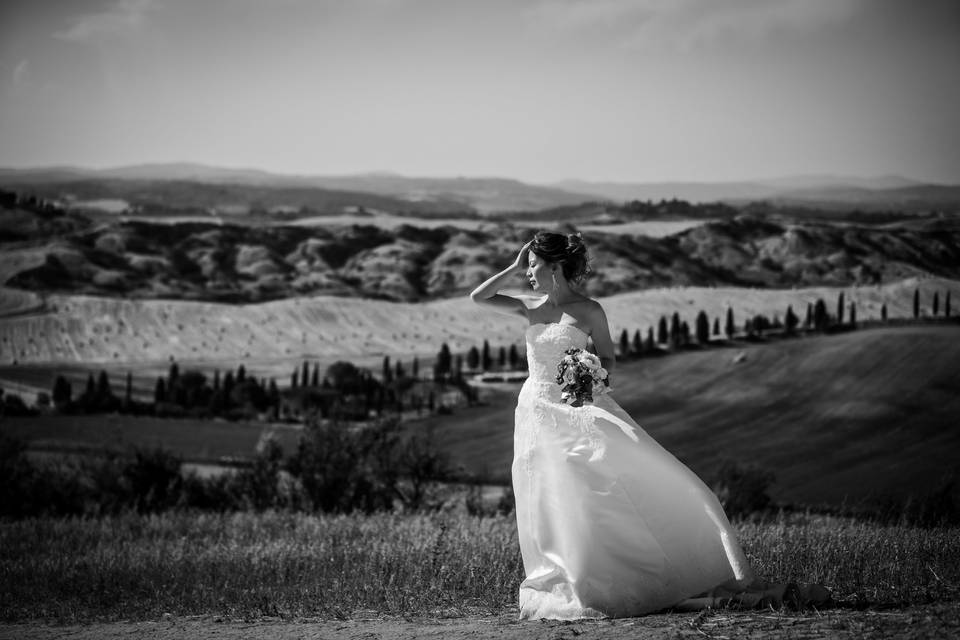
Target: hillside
<point>843,420</point>
<point>268,338</point>
<point>182,186</point>
<point>249,263</point>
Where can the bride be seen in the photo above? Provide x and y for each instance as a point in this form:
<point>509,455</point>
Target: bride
<point>610,523</point>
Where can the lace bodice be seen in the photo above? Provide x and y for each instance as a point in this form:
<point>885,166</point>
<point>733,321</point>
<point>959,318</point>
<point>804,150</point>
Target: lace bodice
<point>546,343</point>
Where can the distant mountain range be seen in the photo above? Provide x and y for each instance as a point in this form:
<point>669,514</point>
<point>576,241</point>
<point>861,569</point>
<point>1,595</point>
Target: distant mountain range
<point>463,196</point>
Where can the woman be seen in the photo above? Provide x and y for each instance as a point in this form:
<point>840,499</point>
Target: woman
<point>610,523</point>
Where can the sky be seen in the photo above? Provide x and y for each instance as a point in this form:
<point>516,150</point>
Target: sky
<point>536,90</point>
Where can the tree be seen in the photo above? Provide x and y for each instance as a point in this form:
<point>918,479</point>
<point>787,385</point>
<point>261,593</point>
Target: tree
<point>662,335</point>
<point>172,377</point>
<point>820,317</point>
<point>294,378</point>
<point>104,391</point>
<point>936,303</point>
<point>703,328</point>
<point>487,361</point>
<point>808,323</point>
<point>502,358</point>
<point>790,320</point>
<point>387,370</point>
<point>624,343</point>
<point>716,326</point>
<point>916,303</point>
<point>637,342</point>
<point>853,314</point>
<point>304,375</point>
<point>315,376</point>
<point>684,333</point>
<point>62,392</point>
<point>840,308</point>
<point>160,391</point>
<point>514,357</point>
<point>650,345</point>
<point>216,380</point>
<point>415,368</point>
<point>946,305</point>
<point>675,330</point>
<point>473,358</point>
<point>444,361</point>
<point>731,327</point>
<point>883,312</point>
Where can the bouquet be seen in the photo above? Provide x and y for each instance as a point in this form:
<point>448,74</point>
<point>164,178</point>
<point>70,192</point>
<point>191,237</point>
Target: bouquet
<point>581,377</point>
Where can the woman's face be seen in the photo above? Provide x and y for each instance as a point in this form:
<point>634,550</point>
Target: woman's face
<point>539,272</point>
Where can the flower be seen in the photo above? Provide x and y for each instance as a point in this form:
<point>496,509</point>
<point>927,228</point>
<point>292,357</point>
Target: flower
<point>581,376</point>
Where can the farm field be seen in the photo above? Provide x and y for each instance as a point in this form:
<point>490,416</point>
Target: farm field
<point>270,339</point>
<point>840,419</point>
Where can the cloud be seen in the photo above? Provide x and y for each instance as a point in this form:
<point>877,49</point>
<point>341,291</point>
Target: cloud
<point>121,18</point>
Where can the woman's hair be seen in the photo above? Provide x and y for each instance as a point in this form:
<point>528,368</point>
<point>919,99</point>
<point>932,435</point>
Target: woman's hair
<point>567,251</point>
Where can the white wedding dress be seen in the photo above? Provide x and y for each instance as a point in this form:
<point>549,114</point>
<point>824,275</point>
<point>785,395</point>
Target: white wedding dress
<point>610,523</point>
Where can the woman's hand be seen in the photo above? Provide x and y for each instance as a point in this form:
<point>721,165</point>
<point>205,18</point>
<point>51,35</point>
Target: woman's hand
<point>521,262</point>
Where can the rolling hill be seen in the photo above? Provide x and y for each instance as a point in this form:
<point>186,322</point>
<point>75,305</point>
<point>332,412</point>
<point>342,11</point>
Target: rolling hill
<point>247,263</point>
<point>848,419</point>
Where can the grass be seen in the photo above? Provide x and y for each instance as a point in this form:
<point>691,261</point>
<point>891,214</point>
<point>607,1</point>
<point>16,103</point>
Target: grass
<point>248,565</point>
<point>189,438</point>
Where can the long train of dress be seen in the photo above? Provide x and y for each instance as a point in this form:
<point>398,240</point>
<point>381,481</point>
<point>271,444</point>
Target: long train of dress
<point>610,523</point>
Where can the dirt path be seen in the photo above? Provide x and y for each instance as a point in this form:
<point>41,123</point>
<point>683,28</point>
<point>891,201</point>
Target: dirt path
<point>930,621</point>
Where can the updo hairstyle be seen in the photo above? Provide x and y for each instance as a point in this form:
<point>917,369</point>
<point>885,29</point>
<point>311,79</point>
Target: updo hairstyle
<point>566,251</point>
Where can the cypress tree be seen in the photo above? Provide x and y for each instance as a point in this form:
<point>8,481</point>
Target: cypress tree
<point>387,370</point>
<point>304,374</point>
<point>514,357</point>
<point>731,327</point>
<point>946,305</point>
<point>853,314</point>
<point>473,358</point>
<point>416,367</point>
<point>808,323</point>
<point>703,328</point>
<point>486,361</point>
<point>936,303</point>
<point>315,377</point>
<point>293,379</point>
<point>662,335</point>
<point>716,327</point>
<point>840,308</point>
<point>651,345</point>
<point>502,358</point>
<point>820,317</point>
<point>675,336</point>
<point>159,391</point>
<point>791,320</point>
<point>216,380</point>
<point>173,376</point>
<point>637,342</point>
<point>624,343</point>
<point>883,312</point>
<point>916,303</point>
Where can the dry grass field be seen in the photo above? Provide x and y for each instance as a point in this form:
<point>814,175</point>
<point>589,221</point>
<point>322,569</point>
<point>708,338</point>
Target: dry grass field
<point>269,339</point>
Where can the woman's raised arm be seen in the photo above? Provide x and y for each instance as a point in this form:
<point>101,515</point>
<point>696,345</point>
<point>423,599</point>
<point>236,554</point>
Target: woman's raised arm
<point>487,294</point>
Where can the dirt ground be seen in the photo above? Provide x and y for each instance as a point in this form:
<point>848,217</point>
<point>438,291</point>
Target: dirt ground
<point>930,621</point>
